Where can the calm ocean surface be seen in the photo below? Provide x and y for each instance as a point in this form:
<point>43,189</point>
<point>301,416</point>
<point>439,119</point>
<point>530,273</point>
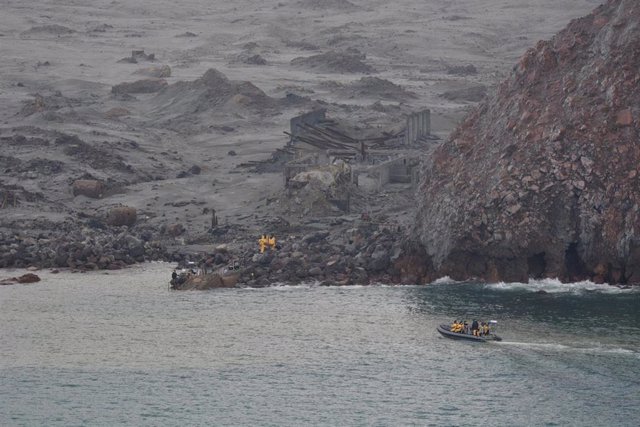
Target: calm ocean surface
<point>120,349</point>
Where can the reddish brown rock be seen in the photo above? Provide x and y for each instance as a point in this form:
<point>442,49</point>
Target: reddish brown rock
<point>624,118</point>
<point>88,187</point>
<point>25,278</point>
<point>567,110</point>
<point>28,278</point>
<point>122,215</point>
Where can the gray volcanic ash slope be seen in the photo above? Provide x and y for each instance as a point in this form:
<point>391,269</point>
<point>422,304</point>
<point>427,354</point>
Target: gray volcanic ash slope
<point>541,179</point>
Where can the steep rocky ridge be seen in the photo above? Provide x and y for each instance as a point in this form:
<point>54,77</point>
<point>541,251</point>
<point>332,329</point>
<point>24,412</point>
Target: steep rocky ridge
<point>541,179</point>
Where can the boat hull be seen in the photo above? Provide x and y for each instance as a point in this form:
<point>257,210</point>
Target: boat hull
<point>446,332</point>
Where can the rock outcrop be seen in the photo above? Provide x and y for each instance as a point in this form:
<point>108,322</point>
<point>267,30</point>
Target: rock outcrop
<point>541,179</point>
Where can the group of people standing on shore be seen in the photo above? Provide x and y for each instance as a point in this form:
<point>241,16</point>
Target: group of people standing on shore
<point>477,329</point>
<point>267,242</point>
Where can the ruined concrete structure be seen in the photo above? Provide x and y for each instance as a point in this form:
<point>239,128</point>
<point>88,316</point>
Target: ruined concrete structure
<point>418,127</point>
<point>375,162</point>
<point>400,170</point>
<point>311,118</point>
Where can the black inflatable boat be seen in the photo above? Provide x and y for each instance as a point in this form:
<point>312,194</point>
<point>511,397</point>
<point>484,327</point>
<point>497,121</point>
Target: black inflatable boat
<point>445,330</point>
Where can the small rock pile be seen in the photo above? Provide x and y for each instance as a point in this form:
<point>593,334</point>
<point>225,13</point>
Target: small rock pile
<point>79,248</point>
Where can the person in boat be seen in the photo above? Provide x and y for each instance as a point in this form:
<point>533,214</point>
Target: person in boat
<point>485,328</point>
<point>465,327</point>
<point>475,328</point>
<point>456,326</point>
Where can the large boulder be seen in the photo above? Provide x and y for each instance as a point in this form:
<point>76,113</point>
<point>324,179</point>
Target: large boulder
<point>121,215</point>
<point>25,278</point>
<point>88,187</point>
<point>210,281</point>
<point>541,179</point>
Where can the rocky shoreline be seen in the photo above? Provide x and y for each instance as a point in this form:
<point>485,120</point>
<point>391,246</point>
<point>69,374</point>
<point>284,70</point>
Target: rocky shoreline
<point>350,251</point>
<point>356,251</point>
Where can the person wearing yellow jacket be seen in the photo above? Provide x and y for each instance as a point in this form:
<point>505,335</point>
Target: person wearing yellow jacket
<point>456,326</point>
<point>263,241</point>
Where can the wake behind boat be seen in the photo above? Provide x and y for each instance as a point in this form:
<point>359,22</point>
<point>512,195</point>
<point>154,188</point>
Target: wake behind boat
<point>445,330</point>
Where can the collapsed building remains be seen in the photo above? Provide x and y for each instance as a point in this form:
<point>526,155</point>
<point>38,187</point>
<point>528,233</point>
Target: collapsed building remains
<point>374,161</point>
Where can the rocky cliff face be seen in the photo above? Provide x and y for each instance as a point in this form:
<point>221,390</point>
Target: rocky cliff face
<point>541,180</point>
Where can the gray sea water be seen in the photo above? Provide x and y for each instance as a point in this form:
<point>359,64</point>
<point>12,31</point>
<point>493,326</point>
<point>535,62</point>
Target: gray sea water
<point>121,349</point>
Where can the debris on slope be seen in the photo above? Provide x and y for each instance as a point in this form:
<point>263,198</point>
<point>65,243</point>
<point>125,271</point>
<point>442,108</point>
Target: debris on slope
<point>335,62</point>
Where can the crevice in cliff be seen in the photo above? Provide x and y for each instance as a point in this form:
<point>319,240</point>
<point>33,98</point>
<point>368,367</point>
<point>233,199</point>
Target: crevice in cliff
<point>536,266</point>
<point>573,264</point>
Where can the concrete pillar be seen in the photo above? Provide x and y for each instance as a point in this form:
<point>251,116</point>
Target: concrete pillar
<point>414,127</point>
<point>406,131</point>
<point>427,120</point>
<point>418,126</point>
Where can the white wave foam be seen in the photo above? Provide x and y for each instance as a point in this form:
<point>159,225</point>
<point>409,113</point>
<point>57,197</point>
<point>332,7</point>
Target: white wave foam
<point>446,280</point>
<point>596,350</point>
<point>553,286</point>
<point>284,287</point>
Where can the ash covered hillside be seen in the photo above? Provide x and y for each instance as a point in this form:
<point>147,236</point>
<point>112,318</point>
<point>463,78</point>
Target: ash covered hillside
<point>541,179</point>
